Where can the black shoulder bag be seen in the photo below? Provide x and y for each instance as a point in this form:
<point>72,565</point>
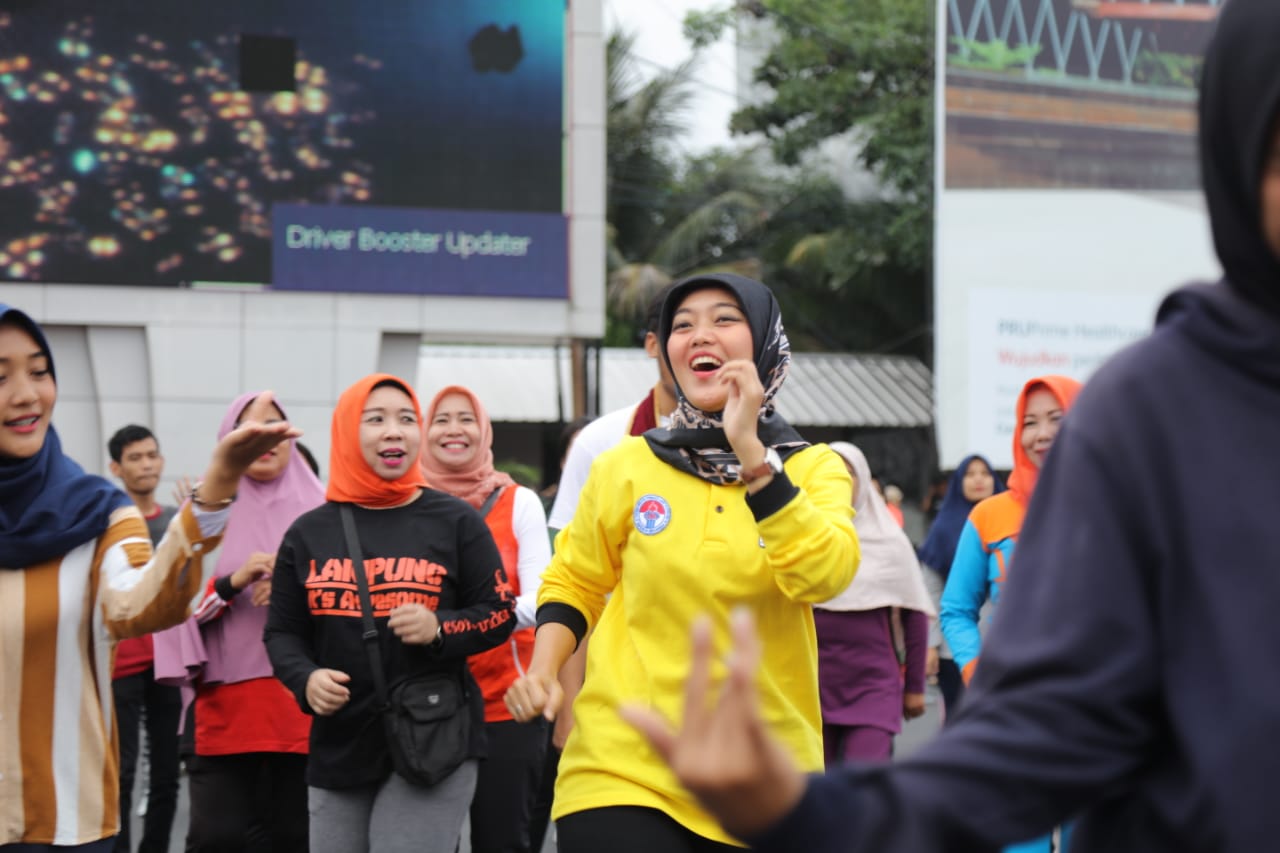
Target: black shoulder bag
<point>426,716</point>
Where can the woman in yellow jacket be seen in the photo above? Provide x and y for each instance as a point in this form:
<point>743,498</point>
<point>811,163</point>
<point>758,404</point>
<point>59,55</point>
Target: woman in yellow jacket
<point>727,508</point>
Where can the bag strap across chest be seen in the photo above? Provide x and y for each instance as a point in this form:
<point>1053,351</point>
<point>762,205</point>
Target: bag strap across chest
<point>370,634</point>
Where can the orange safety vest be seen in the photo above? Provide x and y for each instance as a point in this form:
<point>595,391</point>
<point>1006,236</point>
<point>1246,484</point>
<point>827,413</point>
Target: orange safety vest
<point>495,669</point>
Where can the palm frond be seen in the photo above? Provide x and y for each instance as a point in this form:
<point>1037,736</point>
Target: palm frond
<point>810,252</point>
<point>631,287</point>
<point>719,221</point>
<point>752,267</point>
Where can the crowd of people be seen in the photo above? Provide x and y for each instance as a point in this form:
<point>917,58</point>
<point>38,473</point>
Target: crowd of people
<point>255,674</point>
<point>730,626</point>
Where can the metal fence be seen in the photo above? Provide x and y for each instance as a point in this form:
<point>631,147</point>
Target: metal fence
<point>1054,36</point>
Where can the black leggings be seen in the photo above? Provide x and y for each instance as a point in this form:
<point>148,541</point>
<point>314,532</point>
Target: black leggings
<point>630,829</point>
<point>250,801</point>
<point>540,817</point>
<point>506,787</point>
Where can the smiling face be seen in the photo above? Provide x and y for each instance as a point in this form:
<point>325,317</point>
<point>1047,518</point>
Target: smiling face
<point>453,436</point>
<point>271,464</point>
<point>27,393</point>
<point>1040,424</point>
<point>707,330</point>
<point>390,435</point>
<point>978,482</point>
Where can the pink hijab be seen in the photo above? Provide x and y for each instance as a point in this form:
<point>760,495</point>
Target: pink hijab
<point>230,648</point>
<point>478,480</point>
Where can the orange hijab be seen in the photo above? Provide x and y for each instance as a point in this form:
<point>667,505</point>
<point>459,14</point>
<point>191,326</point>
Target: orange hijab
<point>351,480</point>
<point>1022,482</point>
<point>477,481</point>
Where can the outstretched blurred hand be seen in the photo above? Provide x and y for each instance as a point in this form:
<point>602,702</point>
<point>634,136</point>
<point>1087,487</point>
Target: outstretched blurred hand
<point>260,429</point>
<point>723,753</point>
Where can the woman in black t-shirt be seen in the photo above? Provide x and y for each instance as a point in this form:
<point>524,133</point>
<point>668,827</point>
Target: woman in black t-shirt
<point>439,594</point>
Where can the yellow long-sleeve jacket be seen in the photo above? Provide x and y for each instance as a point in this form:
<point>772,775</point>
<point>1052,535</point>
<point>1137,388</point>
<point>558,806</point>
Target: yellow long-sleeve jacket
<point>648,550</point>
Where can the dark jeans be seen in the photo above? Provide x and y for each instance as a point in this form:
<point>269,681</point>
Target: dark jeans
<point>950,685</point>
<point>250,801</point>
<point>140,700</point>
<point>507,786</point>
<point>630,829</point>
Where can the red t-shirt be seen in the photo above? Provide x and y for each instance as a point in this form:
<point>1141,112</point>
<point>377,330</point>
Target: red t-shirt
<point>258,715</point>
<point>135,654</point>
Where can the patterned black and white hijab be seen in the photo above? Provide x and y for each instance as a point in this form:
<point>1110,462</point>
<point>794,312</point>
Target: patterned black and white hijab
<point>695,441</point>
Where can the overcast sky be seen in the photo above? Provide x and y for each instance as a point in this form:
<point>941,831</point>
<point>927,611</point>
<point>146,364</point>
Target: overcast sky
<point>661,43</point>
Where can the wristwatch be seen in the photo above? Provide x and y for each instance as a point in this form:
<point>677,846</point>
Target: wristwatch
<point>772,464</point>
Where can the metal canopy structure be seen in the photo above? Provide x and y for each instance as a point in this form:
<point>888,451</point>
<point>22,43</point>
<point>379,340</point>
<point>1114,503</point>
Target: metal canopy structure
<point>519,384</point>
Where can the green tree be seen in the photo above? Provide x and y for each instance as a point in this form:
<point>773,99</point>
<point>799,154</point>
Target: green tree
<point>862,68</point>
<point>668,215</point>
<point>644,117</point>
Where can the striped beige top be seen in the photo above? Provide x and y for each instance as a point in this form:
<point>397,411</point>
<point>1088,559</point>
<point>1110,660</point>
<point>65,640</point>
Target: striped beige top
<point>59,622</point>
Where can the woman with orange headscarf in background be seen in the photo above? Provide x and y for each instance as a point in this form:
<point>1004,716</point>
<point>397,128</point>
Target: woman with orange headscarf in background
<point>458,458</point>
<point>439,595</point>
<point>985,550</point>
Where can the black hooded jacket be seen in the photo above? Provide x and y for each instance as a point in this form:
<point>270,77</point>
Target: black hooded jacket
<point>1131,679</point>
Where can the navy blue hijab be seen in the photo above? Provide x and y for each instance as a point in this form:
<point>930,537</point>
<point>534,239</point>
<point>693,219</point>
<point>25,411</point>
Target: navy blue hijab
<point>48,504</point>
<point>939,547</point>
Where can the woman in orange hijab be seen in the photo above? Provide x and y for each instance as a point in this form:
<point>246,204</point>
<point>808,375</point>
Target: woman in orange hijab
<point>439,594</point>
<point>987,542</point>
<point>986,546</point>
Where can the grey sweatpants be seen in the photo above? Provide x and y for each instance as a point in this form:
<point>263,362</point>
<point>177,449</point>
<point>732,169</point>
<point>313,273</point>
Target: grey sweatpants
<point>392,817</point>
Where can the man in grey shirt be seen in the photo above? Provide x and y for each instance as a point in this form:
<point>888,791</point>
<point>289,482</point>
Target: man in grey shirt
<point>137,463</point>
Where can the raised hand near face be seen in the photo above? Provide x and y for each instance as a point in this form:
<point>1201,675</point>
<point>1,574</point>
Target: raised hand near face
<point>259,430</point>
<point>742,406</point>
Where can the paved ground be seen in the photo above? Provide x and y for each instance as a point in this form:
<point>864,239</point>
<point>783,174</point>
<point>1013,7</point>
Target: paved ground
<point>913,735</point>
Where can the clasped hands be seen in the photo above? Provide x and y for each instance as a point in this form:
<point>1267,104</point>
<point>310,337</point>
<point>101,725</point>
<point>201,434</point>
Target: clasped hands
<point>327,690</point>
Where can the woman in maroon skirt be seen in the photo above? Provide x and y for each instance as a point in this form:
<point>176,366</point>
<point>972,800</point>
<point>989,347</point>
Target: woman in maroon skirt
<point>861,632</point>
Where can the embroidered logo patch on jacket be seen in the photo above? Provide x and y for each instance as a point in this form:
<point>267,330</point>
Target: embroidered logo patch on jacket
<point>652,514</point>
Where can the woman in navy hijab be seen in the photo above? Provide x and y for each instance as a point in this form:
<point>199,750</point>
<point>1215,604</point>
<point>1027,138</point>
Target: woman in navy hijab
<point>77,573</point>
<point>973,480</point>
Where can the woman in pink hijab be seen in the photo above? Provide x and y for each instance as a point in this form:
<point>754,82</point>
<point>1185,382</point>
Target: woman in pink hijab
<point>250,738</point>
